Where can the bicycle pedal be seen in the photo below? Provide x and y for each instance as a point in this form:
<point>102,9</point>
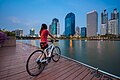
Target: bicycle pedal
<point>52,55</point>
<point>49,60</point>
<point>38,62</point>
<point>45,63</point>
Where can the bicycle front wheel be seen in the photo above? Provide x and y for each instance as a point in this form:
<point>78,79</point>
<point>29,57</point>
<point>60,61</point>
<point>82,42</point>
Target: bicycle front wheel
<point>56,53</point>
<point>34,66</point>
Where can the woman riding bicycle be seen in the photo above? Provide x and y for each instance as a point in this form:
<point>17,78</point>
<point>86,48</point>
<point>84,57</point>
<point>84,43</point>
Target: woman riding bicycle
<point>44,34</point>
<point>39,59</point>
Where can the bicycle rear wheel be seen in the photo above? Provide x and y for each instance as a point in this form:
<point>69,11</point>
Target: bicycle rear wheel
<point>56,53</point>
<point>34,66</point>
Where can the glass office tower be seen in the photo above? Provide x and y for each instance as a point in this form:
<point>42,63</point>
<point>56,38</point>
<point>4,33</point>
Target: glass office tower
<point>70,24</point>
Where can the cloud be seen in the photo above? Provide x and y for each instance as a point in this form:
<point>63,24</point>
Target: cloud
<point>31,22</point>
<point>14,19</point>
<point>26,22</point>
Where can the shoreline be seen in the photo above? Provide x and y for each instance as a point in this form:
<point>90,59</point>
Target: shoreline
<point>80,39</point>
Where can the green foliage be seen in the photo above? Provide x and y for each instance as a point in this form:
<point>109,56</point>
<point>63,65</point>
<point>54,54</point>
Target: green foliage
<point>8,33</point>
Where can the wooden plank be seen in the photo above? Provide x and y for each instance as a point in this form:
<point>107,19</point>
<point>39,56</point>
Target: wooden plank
<point>16,76</point>
<point>83,74</point>
<point>15,71</point>
<point>63,74</point>
<point>56,71</point>
<point>73,75</point>
<point>97,76</point>
<point>90,75</point>
<point>50,70</point>
<point>106,77</point>
<point>47,70</point>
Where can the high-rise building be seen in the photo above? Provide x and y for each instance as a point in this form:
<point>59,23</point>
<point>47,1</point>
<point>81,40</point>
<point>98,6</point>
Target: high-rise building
<point>115,14</point>
<point>70,24</point>
<point>55,27</point>
<point>103,29</point>
<point>32,32</point>
<point>18,32</point>
<point>50,29</point>
<point>113,23</point>
<point>104,23</point>
<point>92,23</point>
<point>58,29</point>
<point>83,31</point>
<point>77,32</point>
<point>113,27</point>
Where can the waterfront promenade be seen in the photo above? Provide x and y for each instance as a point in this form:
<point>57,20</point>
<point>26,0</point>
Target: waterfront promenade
<point>13,67</point>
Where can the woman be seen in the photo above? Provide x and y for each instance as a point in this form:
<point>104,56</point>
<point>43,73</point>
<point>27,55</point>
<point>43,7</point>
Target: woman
<point>44,34</point>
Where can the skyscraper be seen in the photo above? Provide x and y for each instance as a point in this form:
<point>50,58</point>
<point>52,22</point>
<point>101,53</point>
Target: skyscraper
<point>32,32</point>
<point>55,27</point>
<point>113,27</point>
<point>18,32</point>
<point>50,28</point>
<point>104,23</point>
<point>77,31</point>
<point>58,29</point>
<point>113,23</point>
<point>115,14</point>
<point>70,24</point>
<point>92,23</point>
<point>83,31</point>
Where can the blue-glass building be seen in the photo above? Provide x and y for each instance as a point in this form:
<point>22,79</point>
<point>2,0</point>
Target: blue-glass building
<point>83,32</point>
<point>32,32</point>
<point>70,24</point>
<point>54,26</point>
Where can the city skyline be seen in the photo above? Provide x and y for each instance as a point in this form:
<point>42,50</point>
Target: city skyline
<point>110,26</point>
<point>27,14</point>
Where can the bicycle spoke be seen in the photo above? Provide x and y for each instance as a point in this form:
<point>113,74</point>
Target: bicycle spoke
<point>34,66</point>
<point>56,54</point>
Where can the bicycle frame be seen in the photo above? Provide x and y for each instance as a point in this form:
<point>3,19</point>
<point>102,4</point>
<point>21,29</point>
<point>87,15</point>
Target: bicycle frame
<point>48,50</point>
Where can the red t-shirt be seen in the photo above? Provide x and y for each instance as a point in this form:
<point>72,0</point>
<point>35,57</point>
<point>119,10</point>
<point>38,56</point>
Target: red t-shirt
<point>44,35</point>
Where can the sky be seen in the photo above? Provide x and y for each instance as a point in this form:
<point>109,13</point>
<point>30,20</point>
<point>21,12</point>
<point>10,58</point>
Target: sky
<point>27,14</point>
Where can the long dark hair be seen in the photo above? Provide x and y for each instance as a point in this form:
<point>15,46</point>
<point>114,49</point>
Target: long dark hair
<point>44,26</point>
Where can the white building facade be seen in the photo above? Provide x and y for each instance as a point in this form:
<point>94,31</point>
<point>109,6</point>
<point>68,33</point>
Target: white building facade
<point>92,23</point>
<point>113,27</point>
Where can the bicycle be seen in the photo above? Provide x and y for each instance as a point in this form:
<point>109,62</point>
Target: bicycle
<point>40,58</point>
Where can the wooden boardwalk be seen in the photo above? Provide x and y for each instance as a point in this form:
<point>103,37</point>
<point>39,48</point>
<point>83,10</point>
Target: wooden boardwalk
<point>13,67</point>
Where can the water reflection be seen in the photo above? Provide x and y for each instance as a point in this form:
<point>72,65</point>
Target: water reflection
<point>33,42</point>
<point>99,47</point>
<point>71,44</point>
<point>70,48</point>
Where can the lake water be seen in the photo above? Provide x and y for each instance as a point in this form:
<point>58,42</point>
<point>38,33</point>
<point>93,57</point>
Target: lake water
<point>102,54</point>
